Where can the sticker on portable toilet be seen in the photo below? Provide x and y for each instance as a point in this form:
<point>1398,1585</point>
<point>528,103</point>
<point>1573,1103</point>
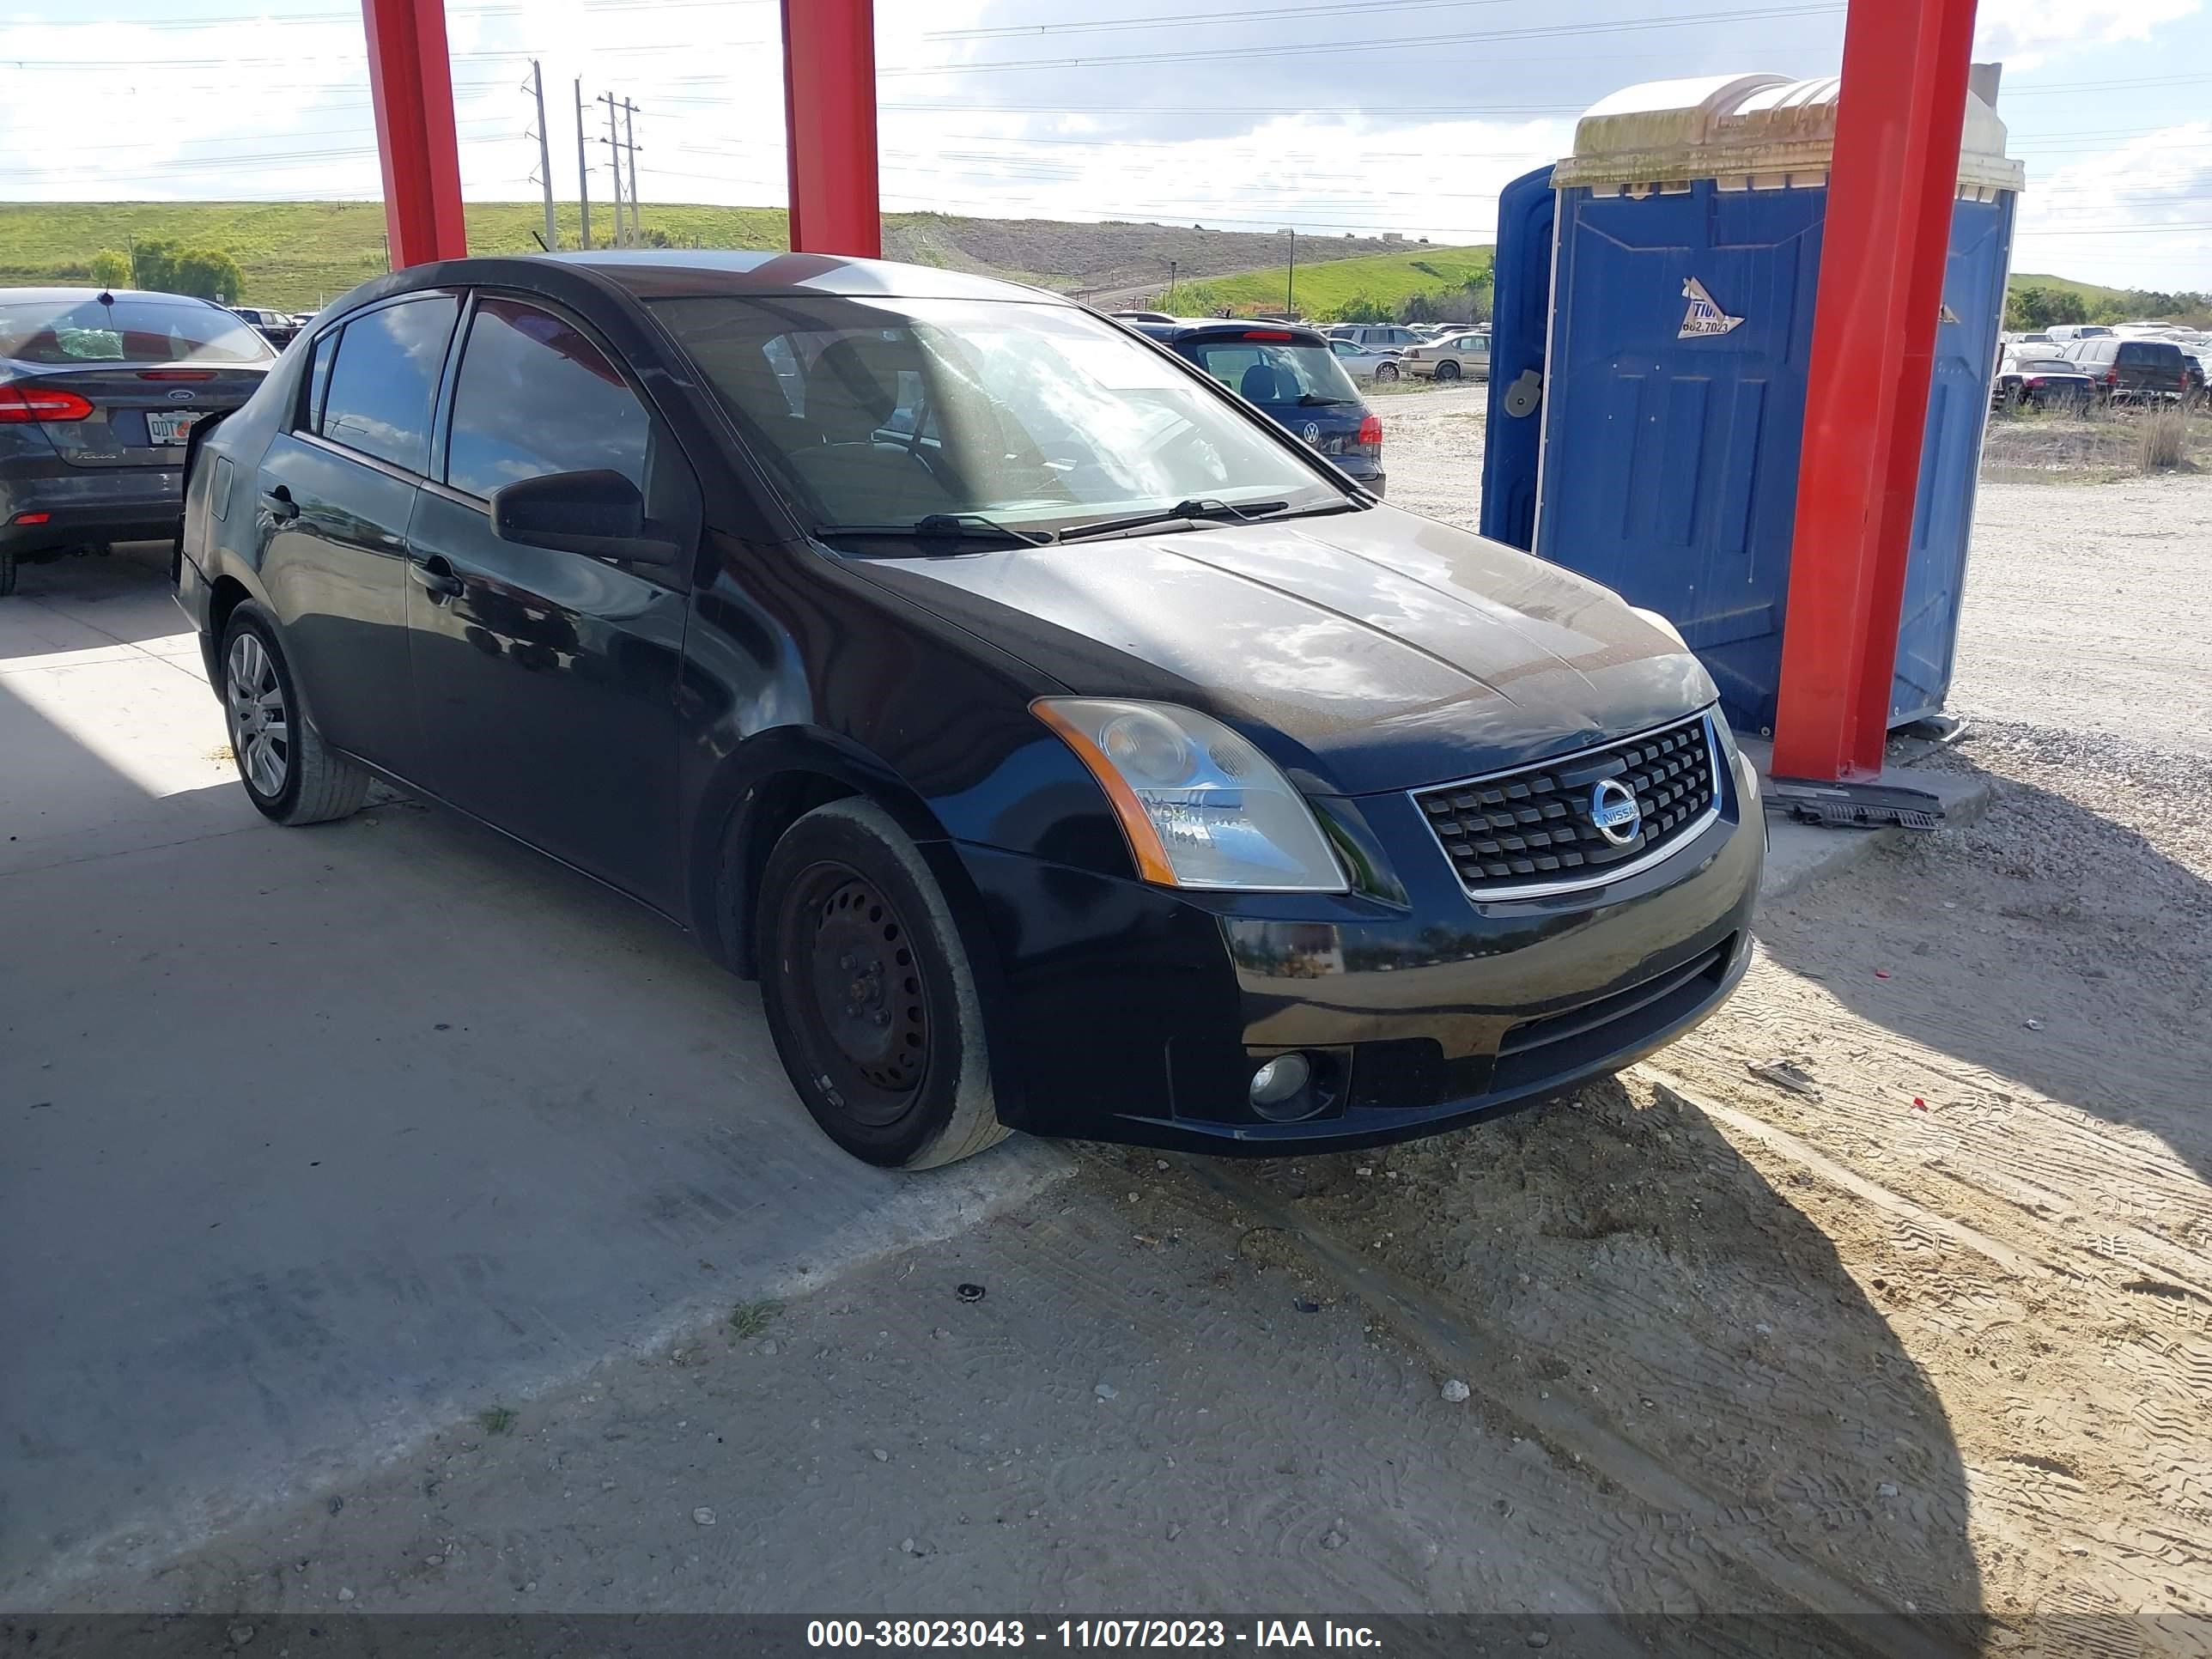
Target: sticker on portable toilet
<point>1704,315</point>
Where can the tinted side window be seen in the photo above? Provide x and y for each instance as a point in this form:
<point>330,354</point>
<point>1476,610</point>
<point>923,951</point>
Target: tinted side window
<point>386,379</point>
<point>318,380</point>
<point>536,397</point>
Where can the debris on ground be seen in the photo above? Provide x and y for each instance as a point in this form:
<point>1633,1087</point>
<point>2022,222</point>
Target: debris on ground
<point>1785,1074</point>
<point>1456,1391</point>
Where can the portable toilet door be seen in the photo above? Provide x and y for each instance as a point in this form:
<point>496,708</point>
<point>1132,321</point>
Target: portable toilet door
<point>1520,326</point>
<point>1686,272</point>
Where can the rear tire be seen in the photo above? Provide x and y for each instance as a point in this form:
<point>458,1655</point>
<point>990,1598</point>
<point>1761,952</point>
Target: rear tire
<point>868,992</point>
<point>1386,371</point>
<point>291,775</point>
<point>6,572</point>
<point>1447,370</point>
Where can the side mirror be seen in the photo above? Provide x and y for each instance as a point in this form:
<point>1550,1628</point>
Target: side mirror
<point>599,513</point>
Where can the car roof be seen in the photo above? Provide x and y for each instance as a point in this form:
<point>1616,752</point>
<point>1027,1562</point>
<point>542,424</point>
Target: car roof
<point>1199,328</point>
<point>683,273</point>
<point>15,295</point>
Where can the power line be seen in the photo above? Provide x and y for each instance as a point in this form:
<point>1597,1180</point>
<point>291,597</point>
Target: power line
<point>1286,13</point>
<point>1549,31</point>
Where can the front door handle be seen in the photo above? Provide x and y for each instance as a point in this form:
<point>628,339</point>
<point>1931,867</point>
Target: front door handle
<point>435,575</point>
<point>281,506</point>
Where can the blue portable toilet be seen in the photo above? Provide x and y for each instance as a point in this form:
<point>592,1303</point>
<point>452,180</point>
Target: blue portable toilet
<point>1680,267</point>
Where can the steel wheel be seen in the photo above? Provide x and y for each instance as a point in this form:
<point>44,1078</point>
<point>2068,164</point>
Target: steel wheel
<point>861,1008</point>
<point>1447,370</point>
<point>260,733</point>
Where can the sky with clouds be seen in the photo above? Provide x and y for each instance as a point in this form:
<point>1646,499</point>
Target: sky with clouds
<point>1332,116</point>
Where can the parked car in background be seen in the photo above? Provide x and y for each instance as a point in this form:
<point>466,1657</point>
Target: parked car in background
<point>1386,336</point>
<point>1291,375</point>
<point>2131,371</point>
<point>1457,356</point>
<point>1365,362</point>
<point>2195,364</point>
<point>277,327</point>
<point>2080,332</point>
<point>99,392</point>
<point>2031,380</point>
<point>1095,759</point>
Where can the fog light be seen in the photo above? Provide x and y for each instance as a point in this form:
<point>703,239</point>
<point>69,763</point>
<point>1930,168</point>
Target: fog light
<point>1281,1079</point>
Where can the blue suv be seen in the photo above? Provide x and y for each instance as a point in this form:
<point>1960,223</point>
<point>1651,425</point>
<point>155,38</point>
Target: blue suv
<point>1294,377</point>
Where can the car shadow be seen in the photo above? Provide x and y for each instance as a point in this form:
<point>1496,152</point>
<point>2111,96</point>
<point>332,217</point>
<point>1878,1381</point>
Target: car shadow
<point>86,600</point>
<point>2046,945</point>
<point>1643,1301</point>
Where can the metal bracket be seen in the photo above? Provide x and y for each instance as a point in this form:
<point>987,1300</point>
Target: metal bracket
<point>1525,393</point>
<point>1854,805</point>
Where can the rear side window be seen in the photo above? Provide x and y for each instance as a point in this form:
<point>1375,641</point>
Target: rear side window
<point>536,397</point>
<point>2150,354</point>
<point>318,380</point>
<point>126,331</point>
<point>386,379</point>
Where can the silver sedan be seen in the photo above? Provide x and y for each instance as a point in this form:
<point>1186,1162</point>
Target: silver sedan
<point>1366,362</point>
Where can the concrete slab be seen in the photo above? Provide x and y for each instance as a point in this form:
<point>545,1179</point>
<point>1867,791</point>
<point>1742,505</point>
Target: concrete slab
<point>319,1140</point>
<point>1799,853</point>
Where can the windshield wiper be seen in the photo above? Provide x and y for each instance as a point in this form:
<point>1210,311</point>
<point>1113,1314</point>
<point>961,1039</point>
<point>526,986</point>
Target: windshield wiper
<point>1198,511</point>
<point>1314,400</point>
<point>939,527</point>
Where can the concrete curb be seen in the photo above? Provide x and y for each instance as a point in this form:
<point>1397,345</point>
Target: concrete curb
<point>1797,854</point>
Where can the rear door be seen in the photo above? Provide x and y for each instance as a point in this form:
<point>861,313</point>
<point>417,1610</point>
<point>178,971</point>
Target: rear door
<point>335,495</point>
<point>545,681</point>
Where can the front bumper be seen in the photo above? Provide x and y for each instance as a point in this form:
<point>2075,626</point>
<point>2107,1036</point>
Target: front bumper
<point>1129,1012</point>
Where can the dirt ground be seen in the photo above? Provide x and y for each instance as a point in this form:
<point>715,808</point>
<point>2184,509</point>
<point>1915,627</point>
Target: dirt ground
<point>1934,1337</point>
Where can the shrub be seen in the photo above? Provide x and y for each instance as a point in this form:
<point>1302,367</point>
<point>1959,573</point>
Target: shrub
<point>2161,438</point>
<point>110,268</point>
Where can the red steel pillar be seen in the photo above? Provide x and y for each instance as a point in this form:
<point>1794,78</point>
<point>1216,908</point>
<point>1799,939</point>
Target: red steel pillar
<point>829,126</point>
<point>410,83</point>
<point>1891,189</point>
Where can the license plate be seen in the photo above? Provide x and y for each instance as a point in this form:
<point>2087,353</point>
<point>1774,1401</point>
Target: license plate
<point>163,427</point>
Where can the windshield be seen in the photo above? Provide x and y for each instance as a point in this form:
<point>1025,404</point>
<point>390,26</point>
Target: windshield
<point>1270,373</point>
<point>886,412</point>
<point>126,331</point>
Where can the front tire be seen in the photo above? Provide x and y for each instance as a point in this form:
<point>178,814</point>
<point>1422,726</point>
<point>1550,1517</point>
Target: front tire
<point>291,775</point>
<point>868,991</point>
<point>1447,371</point>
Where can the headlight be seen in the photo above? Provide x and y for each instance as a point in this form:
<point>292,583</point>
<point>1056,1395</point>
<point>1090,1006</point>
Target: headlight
<point>1661,624</point>
<point>1201,806</point>
<point>1720,726</point>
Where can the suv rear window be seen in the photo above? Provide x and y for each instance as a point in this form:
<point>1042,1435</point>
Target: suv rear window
<point>2150,354</point>
<point>126,331</point>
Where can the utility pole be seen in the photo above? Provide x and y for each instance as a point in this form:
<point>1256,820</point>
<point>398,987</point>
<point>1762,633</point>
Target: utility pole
<point>1290,277</point>
<point>544,153</point>
<point>1168,304</point>
<point>629,143</point>
<point>583,168</point>
<point>614,163</point>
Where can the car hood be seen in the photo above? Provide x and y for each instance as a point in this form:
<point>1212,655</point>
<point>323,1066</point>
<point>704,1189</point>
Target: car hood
<point>1365,651</point>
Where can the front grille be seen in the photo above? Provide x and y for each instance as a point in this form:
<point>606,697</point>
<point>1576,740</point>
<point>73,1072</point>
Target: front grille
<point>1533,826</point>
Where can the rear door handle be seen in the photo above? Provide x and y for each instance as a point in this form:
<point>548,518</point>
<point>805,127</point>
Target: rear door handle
<point>435,575</point>
<point>281,506</point>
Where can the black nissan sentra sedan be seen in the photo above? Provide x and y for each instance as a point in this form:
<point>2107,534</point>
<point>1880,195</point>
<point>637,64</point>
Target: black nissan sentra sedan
<point>1063,745</point>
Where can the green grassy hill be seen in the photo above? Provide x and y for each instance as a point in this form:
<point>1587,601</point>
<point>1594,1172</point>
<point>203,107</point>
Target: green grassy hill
<point>1326,286</point>
<point>296,255</point>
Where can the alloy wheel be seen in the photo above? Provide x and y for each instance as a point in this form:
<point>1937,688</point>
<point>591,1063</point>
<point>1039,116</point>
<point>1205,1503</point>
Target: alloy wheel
<point>260,732</point>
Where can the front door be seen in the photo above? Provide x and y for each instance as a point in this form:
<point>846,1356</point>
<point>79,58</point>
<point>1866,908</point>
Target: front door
<point>545,681</point>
